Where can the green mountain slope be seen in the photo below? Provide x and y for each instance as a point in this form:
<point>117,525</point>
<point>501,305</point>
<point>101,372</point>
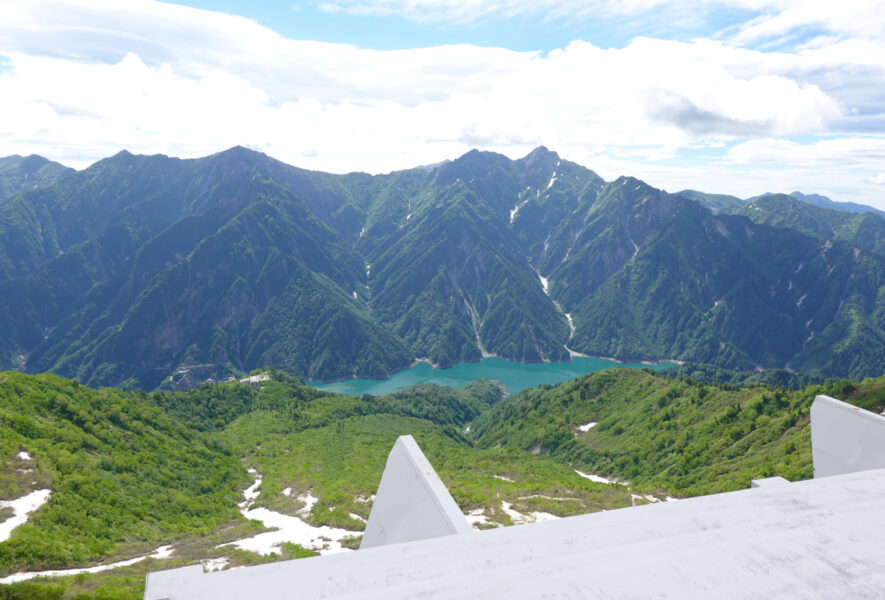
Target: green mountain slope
<point>715,202</point>
<point>211,250</point>
<point>125,477</point>
<point>20,173</point>
<point>266,288</point>
<point>680,435</point>
<point>718,289</point>
<point>455,285</point>
<point>143,271</point>
<point>824,202</point>
<point>862,230</point>
<point>132,471</point>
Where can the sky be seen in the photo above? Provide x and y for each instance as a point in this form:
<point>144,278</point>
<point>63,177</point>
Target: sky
<point>725,96</point>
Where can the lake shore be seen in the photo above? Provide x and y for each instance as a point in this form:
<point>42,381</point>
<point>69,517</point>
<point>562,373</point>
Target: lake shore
<point>514,376</point>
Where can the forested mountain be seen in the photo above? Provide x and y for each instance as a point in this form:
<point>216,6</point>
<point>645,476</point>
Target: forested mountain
<point>865,231</point>
<point>20,173</point>
<point>144,267</point>
<point>824,202</point>
<point>715,202</point>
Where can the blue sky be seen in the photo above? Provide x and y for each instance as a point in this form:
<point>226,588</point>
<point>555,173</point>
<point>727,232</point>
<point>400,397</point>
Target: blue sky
<point>726,96</point>
<point>526,32</point>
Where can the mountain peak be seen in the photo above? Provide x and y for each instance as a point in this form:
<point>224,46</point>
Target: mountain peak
<point>239,151</point>
<point>539,153</point>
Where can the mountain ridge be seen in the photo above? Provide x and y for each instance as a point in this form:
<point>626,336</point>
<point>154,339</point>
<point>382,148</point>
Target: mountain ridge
<point>141,267</point>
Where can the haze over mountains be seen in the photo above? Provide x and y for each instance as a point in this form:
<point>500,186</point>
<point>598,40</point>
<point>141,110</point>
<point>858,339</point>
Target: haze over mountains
<point>144,267</point>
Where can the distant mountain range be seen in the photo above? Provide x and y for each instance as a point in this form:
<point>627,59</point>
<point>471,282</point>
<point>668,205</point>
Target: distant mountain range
<point>143,271</point>
<point>726,203</point>
<point>824,202</point>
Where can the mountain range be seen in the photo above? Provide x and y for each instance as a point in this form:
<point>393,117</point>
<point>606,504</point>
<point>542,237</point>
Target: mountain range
<point>150,271</point>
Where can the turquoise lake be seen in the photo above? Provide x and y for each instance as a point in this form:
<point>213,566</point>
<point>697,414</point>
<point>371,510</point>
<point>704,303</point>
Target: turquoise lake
<point>515,376</point>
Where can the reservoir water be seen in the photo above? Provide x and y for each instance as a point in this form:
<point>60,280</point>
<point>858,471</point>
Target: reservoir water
<point>515,376</point>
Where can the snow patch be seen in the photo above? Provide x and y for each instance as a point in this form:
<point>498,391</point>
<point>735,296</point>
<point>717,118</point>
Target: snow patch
<point>214,564</point>
<point>545,283</point>
<point>519,518</point>
<point>251,492</point>
<point>286,528</point>
<point>635,249</point>
<point>595,478</point>
<point>23,455</point>
<point>309,502</point>
<point>160,553</point>
<point>545,497</point>
<point>515,210</point>
<point>648,497</point>
<point>571,333</point>
<point>21,510</point>
<point>290,529</point>
<point>588,426</point>
<point>287,491</point>
<point>502,478</point>
<point>550,184</point>
<point>477,517</point>
<point>477,325</point>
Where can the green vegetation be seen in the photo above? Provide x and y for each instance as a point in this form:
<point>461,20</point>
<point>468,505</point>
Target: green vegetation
<point>770,377</point>
<point>719,290</point>
<point>154,273</point>
<point>865,231</point>
<point>132,471</point>
<point>715,202</point>
<point>20,173</point>
<point>125,476</point>
<point>681,435</point>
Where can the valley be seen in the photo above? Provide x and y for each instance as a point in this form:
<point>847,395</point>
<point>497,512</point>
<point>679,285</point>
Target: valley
<point>207,360</point>
<point>151,272</point>
<point>520,297</point>
<point>243,473</point>
<point>512,376</point>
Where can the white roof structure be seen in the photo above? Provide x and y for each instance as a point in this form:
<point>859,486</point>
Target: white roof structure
<point>821,538</point>
<point>412,502</point>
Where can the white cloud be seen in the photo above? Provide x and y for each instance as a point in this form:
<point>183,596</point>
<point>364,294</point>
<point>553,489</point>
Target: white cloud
<point>775,18</point>
<point>473,10</point>
<point>777,153</point>
<point>855,18</point>
<point>84,82</point>
<point>846,169</point>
